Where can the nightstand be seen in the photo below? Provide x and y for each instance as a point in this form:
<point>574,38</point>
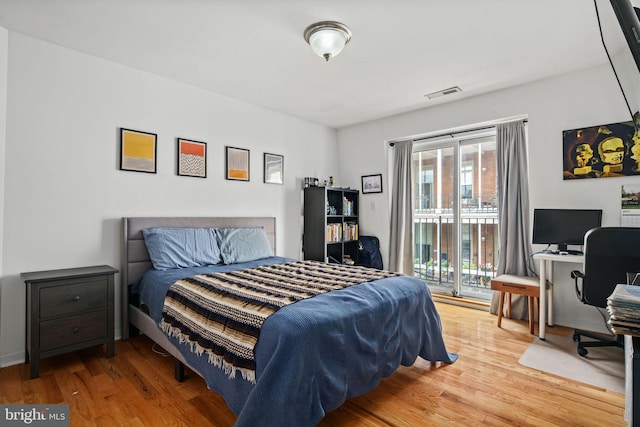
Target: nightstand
<point>68,310</point>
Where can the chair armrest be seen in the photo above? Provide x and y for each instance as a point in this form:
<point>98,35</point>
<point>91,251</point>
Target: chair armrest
<point>578,277</point>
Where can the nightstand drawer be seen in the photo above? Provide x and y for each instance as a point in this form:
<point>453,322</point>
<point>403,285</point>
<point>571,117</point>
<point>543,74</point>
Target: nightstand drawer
<point>72,330</point>
<point>69,299</point>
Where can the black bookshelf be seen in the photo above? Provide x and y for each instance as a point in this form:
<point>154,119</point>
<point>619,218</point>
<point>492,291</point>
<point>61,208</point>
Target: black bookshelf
<point>330,224</point>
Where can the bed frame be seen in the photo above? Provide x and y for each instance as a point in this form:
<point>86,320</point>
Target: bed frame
<point>135,261</point>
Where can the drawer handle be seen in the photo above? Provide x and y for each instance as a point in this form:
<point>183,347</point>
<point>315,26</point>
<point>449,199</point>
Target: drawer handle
<point>76,298</point>
<point>75,330</point>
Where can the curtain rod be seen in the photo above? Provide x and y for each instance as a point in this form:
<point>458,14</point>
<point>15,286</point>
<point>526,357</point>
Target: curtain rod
<point>456,133</point>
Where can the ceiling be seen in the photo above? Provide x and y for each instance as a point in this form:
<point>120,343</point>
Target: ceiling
<point>254,50</point>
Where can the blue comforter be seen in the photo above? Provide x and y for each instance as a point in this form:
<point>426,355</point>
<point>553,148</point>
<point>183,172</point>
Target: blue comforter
<point>313,355</point>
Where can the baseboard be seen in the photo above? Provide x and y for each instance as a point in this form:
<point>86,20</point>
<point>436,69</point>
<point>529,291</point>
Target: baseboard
<point>18,358</point>
<point>463,302</point>
<point>11,359</point>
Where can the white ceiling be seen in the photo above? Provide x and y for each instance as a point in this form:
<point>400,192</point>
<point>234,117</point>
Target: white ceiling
<point>253,50</point>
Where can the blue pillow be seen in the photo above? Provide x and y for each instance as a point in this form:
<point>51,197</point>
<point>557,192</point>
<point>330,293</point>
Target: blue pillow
<point>243,244</point>
<point>181,247</point>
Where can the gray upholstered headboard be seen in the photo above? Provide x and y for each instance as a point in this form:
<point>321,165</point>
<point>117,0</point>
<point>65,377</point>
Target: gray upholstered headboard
<point>135,258</point>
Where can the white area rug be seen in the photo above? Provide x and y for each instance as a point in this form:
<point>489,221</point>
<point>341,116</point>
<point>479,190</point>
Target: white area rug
<point>603,367</point>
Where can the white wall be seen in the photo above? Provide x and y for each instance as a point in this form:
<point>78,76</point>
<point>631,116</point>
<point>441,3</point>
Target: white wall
<point>623,61</point>
<point>587,98</point>
<point>64,193</point>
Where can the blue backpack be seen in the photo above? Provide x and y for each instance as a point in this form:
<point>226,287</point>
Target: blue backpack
<point>369,252</point>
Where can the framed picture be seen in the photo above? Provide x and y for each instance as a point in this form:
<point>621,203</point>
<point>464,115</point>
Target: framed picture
<point>601,151</point>
<point>138,151</point>
<point>372,184</point>
<point>273,168</point>
<point>192,158</point>
<point>237,164</point>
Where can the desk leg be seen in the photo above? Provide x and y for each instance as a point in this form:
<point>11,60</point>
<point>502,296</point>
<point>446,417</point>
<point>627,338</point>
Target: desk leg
<point>542,317</point>
<point>551,277</point>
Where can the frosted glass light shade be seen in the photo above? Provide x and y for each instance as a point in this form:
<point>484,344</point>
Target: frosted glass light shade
<point>327,38</point>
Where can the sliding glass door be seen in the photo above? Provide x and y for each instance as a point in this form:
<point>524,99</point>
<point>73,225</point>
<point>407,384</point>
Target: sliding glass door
<point>456,213</point>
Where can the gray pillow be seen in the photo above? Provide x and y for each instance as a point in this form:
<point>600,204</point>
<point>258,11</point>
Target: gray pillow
<point>243,244</point>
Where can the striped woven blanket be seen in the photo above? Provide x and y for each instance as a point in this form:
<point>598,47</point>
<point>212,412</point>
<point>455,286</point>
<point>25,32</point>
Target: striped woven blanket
<point>221,314</point>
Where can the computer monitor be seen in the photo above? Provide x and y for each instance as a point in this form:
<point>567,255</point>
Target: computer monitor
<point>564,227</point>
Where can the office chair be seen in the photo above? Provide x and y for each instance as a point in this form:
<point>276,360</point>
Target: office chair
<point>609,254</point>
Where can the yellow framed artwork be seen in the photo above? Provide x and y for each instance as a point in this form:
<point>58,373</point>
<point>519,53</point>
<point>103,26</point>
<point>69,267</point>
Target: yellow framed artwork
<point>138,150</point>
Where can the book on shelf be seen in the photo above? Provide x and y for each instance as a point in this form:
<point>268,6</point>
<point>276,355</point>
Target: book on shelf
<point>347,207</point>
<point>350,231</point>
<point>334,232</point>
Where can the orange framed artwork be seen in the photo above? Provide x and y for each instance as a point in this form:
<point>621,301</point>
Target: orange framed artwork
<point>237,164</point>
<point>192,158</point>
<point>138,150</point>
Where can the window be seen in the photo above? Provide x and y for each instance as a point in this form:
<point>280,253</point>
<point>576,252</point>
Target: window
<point>456,213</point>
<point>425,188</point>
<point>466,181</point>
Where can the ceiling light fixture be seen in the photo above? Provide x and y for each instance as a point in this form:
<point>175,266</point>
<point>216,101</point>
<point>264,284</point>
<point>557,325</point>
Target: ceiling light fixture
<point>327,38</point>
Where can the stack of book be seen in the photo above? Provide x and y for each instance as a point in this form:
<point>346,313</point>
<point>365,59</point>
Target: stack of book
<point>347,207</point>
<point>334,232</point>
<point>350,231</point>
<point>623,306</point>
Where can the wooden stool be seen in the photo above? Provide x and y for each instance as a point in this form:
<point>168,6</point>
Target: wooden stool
<point>521,285</point>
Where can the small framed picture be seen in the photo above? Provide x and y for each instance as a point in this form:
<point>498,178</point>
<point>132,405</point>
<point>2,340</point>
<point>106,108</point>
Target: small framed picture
<point>237,164</point>
<point>273,168</point>
<point>138,151</point>
<point>372,184</point>
<point>192,158</point>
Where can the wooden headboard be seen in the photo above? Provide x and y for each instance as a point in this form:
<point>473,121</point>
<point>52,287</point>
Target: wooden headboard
<point>135,257</point>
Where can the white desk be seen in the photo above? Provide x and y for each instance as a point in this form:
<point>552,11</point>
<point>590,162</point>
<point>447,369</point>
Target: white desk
<point>546,265</point>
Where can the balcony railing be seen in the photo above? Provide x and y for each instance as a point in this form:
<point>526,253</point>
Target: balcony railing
<point>434,259</point>
<point>478,203</point>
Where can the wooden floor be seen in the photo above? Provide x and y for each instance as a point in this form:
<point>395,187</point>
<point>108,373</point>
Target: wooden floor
<point>486,386</point>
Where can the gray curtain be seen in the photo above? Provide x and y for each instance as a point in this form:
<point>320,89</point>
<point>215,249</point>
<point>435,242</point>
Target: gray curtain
<point>401,234</point>
<point>513,209</point>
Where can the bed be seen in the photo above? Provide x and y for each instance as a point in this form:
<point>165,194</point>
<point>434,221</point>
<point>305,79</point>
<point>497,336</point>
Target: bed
<point>310,356</point>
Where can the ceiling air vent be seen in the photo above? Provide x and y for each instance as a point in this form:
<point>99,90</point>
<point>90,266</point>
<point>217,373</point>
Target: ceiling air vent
<point>443,92</point>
